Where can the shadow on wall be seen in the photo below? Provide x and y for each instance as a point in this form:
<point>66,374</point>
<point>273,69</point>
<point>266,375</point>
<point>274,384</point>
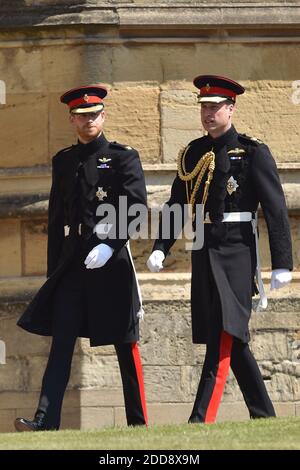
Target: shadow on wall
<point>14,13</point>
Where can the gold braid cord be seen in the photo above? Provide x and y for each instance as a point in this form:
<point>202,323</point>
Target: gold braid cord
<point>206,162</point>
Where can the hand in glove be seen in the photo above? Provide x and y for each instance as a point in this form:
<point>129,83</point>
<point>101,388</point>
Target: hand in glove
<point>280,278</point>
<point>155,261</point>
<point>98,256</point>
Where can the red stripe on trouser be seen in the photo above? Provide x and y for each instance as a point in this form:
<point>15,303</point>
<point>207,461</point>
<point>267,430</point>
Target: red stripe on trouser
<point>222,372</point>
<point>139,373</point>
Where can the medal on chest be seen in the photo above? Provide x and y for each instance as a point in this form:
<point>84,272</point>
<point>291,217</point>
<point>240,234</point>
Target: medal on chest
<point>101,194</point>
<point>232,185</point>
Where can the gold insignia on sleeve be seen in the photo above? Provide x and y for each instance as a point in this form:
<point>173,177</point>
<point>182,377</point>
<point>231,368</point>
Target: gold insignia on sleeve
<point>104,160</point>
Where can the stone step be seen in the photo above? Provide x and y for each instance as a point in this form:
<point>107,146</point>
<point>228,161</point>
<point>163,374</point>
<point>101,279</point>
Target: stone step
<point>158,287</point>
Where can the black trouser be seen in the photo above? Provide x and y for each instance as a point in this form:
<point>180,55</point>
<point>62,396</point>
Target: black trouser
<point>67,321</point>
<point>224,351</point>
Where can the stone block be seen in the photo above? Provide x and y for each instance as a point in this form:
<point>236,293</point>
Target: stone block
<point>176,348</point>
<point>169,413</point>
<point>119,416</point>
<point>95,372</point>
<point>96,418</point>
<point>10,248</point>
<point>22,71</point>
<point>18,400</point>
<point>14,374</point>
<point>285,409</point>
<point>269,346</point>
<point>277,125</point>
<point>61,132</point>
<point>101,397</point>
<point>283,388</point>
<point>7,418</point>
<point>180,121</point>
<point>72,65</point>
<point>21,343</point>
<point>264,243</point>
<point>232,412</point>
<point>280,320</point>
<point>84,347</point>
<point>34,247</point>
<point>133,119</point>
<point>71,417</point>
<point>175,139</point>
<point>24,130</point>
<point>163,384</point>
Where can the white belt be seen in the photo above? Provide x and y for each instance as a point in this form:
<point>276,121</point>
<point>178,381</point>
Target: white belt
<point>232,217</point>
<point>101,229</point>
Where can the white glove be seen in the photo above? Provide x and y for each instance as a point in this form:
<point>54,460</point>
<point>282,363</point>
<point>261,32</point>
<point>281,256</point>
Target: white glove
<point>280,278</point>
<point>98,256</point>
<point>155,261</point>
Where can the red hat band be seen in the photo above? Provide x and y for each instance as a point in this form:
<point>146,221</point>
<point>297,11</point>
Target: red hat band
<point>86,99</point>
<point>218,91</point>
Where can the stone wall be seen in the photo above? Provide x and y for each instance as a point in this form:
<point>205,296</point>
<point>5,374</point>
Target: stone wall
<point>147,55</point>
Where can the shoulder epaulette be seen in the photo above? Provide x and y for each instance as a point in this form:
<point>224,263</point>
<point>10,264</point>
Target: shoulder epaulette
<point>198,140</point>
<point>252,140</point>
<point>120,146</point>
<point>63,151</point>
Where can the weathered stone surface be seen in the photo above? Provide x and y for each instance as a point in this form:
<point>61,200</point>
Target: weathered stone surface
<point>269,346</point>
<point>176,347</point>
<point>95,372</point>
<point>15,338</point>
<point>264,243</point>
<point>7,418</point>
<point>10,248</point>
<point>275,98</point>
<point>24,130</point>
<point>95,417</point>
<point>34,247</point>
<point>133,119</point>
<point>163,383</point>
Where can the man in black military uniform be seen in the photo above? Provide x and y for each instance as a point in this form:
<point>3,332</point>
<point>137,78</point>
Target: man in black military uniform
<point>240,173</point>
<point>91,290</point>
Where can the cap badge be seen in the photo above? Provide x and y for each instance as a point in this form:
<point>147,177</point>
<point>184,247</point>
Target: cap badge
<point>231,185</point>
<point>101,194</point>
<point>207,86</point>
<point>86,98</point>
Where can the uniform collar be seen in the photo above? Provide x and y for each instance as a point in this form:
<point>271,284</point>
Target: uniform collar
<point>85,150</point>
<point>224,139</point>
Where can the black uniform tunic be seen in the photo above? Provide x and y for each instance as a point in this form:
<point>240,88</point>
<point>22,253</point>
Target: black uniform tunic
<point>84,177</point>
<point>228,257</point>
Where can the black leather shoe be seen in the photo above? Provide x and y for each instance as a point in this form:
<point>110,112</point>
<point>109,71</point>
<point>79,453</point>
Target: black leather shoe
<point>194,419</point>
<point>37,424</point>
